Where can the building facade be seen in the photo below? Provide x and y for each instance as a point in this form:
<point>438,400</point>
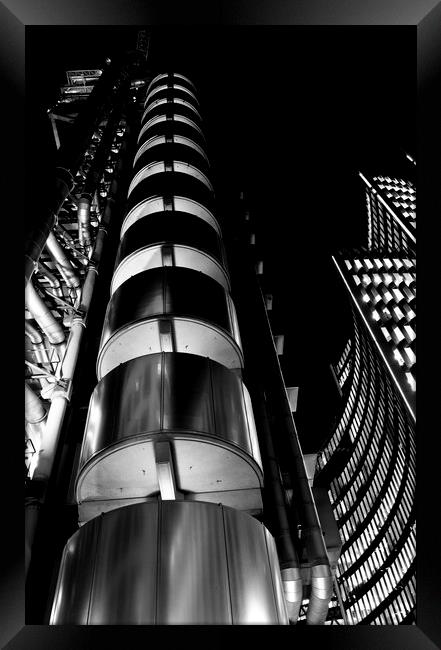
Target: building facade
<point>181,514</point>
<point>368,462</point>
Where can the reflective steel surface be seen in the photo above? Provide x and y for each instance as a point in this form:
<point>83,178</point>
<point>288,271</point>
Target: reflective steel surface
<point>157,255</point>
<point>170,562</point>
<point>170,226</point>
<point>162,291</point>
<point>167,290</point>
<point>198,404</point>
<point>190,336</point>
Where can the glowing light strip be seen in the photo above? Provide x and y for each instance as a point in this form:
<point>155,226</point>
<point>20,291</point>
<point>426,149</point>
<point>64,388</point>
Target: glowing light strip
<point>170,88</point>
<point>163,118</point>
<point>174,74</point>
<point>167,102</point>
<point>156,204</point>
<point>178,166</point>
<point>177,139</point>
<point>375,339</point>
<point>389,209</point>
<point>152,142</point>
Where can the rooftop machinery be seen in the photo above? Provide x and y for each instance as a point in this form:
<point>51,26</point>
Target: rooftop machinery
<point>172,468</point>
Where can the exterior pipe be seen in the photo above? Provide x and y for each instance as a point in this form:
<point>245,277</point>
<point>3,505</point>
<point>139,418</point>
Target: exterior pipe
<point>321,576</point>
<point>84,221</point>
<point>37,343</point>
<point>62,262</point>
<point>54,282</point>
<point>43,315</point>
<point>280,528</point>
<point>111,85</point>
<point>34,409</point>
<point>93,178</point>
<point>35,418</point>
<point>62,391</point>
<point>32,509</point>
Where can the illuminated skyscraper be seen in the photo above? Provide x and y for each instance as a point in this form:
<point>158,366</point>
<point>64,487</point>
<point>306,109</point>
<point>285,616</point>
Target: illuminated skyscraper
<point>175,485</point>
<point>391,208</point>
<point>368,462</point>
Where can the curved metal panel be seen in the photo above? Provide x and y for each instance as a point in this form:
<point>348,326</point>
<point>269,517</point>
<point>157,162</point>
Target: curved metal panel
<point>169,78</point>
<point>173,109</point>
<point>170,102</point>
<point>178,166</point>
<point>189,336</point>
<point>164,291</point>
<point>186,395</point>
<point>150,257</point>
<point>74,585</point>
<point>174,118</point>
<point>172,183</point>
<point>156,204</point>
<point>174,87</point>
<point>170,128</point>
<point>193,581</point>
<point>125,563</point>
<point>203,564</point>
<point>254,598</point>
<point>170,226</point>
<point>186,392</point>
<point>193,243</point>
<point>171,94</point>
<point>156,140</point>
<point>174,151</point>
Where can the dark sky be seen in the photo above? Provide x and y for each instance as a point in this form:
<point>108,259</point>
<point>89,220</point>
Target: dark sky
<point>291,115</point>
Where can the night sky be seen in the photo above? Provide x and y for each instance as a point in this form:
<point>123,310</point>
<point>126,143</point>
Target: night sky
<point>291,115</point>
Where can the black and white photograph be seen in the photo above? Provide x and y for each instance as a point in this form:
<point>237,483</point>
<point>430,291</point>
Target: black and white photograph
<point>220,332</point>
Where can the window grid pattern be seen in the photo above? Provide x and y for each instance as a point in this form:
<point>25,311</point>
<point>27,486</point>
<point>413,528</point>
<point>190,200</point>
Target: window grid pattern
<point>391,204</point>
<point>373,494</point>
<point>343,366</point>
<point>386,292</point>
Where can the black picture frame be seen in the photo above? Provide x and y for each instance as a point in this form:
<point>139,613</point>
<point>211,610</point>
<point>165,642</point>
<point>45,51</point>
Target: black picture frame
<point>15,16</point>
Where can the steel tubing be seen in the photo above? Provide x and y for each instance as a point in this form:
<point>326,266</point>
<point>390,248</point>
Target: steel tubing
<point>43,315</point>
<point>170,437</point>
<point>62,261</point>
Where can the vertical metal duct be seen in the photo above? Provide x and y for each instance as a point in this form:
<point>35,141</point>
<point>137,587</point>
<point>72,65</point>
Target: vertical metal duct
<point>170,437</point>
<point>62,262</point>
<point>274,498</point>
<point>113,83</point>
<point>34,409</point>
<point>282,450</point>
<point>54,282</point>
<point>94,175</point>
<point>170,562</point>
<point>37,343</point>
<point>43,315</point>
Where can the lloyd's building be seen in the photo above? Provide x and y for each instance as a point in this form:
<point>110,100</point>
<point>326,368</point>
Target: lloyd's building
<point>184,516</point>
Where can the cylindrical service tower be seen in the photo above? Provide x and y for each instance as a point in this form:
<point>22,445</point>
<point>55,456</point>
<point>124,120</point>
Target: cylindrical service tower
<point>170,471</point>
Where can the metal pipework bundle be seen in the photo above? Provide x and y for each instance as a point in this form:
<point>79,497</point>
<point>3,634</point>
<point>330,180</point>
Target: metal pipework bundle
<point>170,470</point>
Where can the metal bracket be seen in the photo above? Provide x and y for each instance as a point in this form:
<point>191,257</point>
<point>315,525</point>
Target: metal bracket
<point>165,471</point>
<point>63,388</point>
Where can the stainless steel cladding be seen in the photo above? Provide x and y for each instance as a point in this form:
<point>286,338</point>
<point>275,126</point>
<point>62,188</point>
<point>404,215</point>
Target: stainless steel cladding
<point>170,469</point>
<point>185,204</point>
<point>201,315</point>
<point>170,238</point>
<point>200,407</point>
<point>170,562</point>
